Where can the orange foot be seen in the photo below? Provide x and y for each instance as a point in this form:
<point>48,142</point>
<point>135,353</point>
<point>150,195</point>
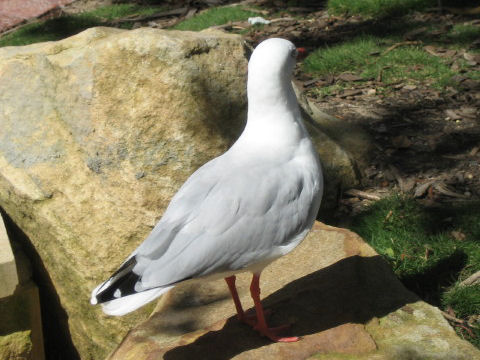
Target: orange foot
<point>250,317</point>
<point>273,333</point>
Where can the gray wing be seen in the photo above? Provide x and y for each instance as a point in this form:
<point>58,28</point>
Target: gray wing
<point>221,221</point>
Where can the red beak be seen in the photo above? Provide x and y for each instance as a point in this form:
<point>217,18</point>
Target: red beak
<point>301,53</point>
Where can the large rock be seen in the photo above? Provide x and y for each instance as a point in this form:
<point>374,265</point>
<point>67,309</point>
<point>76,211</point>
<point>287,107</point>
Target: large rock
<point>338,294</point>
<point>98,132</point>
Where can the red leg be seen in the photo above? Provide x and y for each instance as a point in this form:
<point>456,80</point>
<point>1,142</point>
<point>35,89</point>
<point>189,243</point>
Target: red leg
<point>236,300</point>
<point>246,317</point>
<point>261,326</point>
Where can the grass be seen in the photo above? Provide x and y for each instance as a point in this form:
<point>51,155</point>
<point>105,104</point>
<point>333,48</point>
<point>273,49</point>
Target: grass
<point>463,35</point>
<point>427,258</point>
<point>68,25</point>
<point>367,56</point>
<point>215,16</point>
<point>376,8</point>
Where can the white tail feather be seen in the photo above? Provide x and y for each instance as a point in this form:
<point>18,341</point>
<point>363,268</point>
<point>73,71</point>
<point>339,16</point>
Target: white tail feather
<point>129,303</point>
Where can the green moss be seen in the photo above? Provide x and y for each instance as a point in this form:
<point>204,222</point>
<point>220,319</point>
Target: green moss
<point>15,313</point>
<point>16,346</point>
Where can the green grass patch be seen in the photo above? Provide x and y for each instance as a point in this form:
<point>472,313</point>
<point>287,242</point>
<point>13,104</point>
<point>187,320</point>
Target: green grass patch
<point>366,55</point>
<point>428,259</point>
<point>463,35</point>
<point>68,25</point>
<point>328,90</point>
<point>376,8</point>
<point>215,16</point>
<point>465,300</point>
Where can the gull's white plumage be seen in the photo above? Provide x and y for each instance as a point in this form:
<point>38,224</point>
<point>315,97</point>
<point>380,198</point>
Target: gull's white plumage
<point>241,210</point>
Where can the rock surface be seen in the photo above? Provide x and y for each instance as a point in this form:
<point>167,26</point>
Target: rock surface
<point>21,336</point>
<point>338,294</point>
<point>20,325</point>
<point>98,132</point>
<point>8,268</point>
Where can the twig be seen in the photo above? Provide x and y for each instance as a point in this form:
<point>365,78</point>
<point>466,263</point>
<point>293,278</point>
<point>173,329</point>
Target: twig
<point>402,43</point>
<point>463,323</point>
<point>471,280</point>
<point>470,332</point>
<point>362,194</point>
<point>282,19</point>
<point>442,189</point>
<point>452,318</point>
<point>389,215</point>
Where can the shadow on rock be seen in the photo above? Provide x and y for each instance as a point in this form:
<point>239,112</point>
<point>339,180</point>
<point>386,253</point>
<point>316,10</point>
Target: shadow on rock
<point>351,291</point>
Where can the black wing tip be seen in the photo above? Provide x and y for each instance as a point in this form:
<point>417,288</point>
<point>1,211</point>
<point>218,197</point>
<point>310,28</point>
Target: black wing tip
<point>122,283</point>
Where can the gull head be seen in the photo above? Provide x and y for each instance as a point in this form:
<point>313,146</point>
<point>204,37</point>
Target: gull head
<point>272,60</point>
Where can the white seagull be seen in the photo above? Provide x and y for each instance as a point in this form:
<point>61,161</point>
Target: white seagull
<point>238,212</point>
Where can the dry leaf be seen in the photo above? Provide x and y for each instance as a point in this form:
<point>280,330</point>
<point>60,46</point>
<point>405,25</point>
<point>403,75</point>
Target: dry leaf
<point>422,188</point>
<point>431,50</point>
<point>471,84</point>
<point>472,58</point>
<point>390,213</point>
<point>442,189</point>
<point>452,114</point>
<point>469,112</point>
<point>349,77</point>
<point>350,92</point>
<point>401,142</point>
<point>458,235</point>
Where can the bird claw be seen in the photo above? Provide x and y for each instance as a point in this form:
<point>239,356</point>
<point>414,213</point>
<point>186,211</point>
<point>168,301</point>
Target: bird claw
<point>250,316</point>
<point>273,333</point>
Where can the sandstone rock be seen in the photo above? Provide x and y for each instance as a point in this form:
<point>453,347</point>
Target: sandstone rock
<point>8,268</point>
<point>21,335</point>
<point>352,139</point>
<point>98,132</point>
<point>20,325</point>
<point>350,144</point>
<point>338,294</point>
<point>16,346</point>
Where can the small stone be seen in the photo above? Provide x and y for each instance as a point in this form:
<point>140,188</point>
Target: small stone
<point>139,175</point>
<point>409,87</point>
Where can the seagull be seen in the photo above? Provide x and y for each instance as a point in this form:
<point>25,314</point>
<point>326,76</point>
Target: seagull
<point>239,211</point>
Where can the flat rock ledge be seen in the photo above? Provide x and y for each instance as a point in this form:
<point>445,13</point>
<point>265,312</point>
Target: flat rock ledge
<point>338,294</point>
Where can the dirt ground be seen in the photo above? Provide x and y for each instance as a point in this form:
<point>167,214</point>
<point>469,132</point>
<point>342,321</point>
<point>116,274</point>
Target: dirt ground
<point>425,142</point>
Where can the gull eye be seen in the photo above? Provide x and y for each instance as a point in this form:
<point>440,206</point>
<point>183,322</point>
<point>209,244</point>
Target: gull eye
<point>294,53</point>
